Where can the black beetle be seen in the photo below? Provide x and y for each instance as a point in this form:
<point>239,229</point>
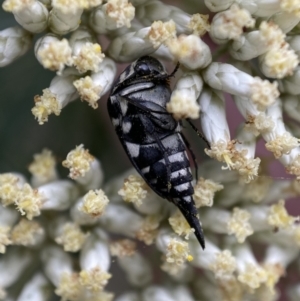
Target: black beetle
<point>150,135</point>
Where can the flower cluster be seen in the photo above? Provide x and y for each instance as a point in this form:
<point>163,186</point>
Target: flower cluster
<point>64,236</point>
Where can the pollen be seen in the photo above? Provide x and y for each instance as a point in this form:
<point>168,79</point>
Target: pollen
<point>43,166</point>
<point>296,234</point>
<point>253,276</point>
<point>222,151</point>
<point>78,161</point>
<point>205,190</point>
<point>88,90</point>
<point>27,233</point>
<point>224,265</point>
<point>180,225</point>
<point>231,22</point>
<point>274,272</point>
<point>10,188</point>
<point>69,287</point>
<point>123,247</point>
<point>263,93</point>
<point>149,229</point>
<point>94,203</point>
<point>199,24</point>
<point>291,6</point>
<point>282,144</point>
<point>235,159</point>
<point>45,105</point>
<point>71,237</point>
<point>239,224</point>
<point>89,58</point>
<point>16,5</point>
<point>294,167</point>
<point>29,202</point>
<point>161,32</point>
<point>259,124</point>
<point>94,280</point>
<point>279,217</point>
<point>55,55</point>
<point>183,106</point>
<point>4,238</point>
<point>280,62</point>
<point>271,34</point>
<point>134,190</point>
<point>258,189</point>
<point>178,252</point>
<point>231,289</point>
<point>121,11</point>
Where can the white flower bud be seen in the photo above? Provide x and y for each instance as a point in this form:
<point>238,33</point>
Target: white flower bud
<point>248,46</point>
<point>157,293</point>
<point>250,272</point>
<point>291,106</point>
<point>291,84</point>
<point>294,42</point>
<point>157,10</point>
<point>122,220</point>
<point>56,97</point>
<point>285,20</point>
<point>8,216</point>
<point>229,24</point>
<point>190,51</point>
<point>183,103</point>
<point>99,21</point>
<point>217,5</point>
<point>132,296</point>
<point>31,15</point>
<point>181,293</point>
<point>12,265</point>
<point>279,255</point>
<point>55,263</point>
<point>58,195</point>
<point>95,253</point>
<point>227,78</point>
<point>63,22</point>
<point>35,290</point>
<point>213,116</point>
<point>137,269</point>
<point>261,8</point>
<point>14,42</point>
<point>53,53</point>
<point>93,178</point>
<point>131,46</point>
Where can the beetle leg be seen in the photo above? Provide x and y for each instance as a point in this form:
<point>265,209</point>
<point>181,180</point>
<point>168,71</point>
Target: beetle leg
<point>198,132</point>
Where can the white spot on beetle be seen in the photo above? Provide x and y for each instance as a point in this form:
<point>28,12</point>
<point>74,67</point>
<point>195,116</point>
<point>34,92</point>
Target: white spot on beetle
<point>126,127</point>
<point>124,107</point>
<point>133,149</point>
<point>145,170</point>
<point>115,121</point>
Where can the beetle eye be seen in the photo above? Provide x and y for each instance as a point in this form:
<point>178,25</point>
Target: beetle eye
<point>142,69</point>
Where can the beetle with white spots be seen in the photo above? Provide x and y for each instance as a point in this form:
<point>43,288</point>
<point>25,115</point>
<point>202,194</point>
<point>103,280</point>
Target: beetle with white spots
<point>151,137</point>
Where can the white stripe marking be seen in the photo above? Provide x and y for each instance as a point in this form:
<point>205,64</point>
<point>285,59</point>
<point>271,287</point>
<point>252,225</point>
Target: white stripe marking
<point>182,187</point>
